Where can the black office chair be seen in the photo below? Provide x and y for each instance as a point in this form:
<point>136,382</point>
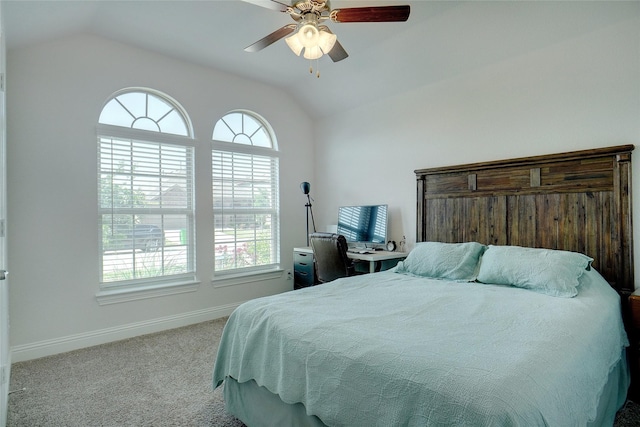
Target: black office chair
<point>330,255</point>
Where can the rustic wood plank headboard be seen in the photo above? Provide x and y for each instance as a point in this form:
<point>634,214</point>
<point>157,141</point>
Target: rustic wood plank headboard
<point>578,201</point>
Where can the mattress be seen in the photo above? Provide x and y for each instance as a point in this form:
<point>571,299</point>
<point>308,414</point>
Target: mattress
<point>390,349</point>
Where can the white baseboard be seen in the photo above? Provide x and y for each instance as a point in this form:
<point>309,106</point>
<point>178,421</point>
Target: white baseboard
<point>21,353</point>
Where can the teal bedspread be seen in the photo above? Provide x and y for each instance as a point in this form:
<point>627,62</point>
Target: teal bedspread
<point>387,349</point>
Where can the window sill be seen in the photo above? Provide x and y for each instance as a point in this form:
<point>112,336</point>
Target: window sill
<point>115,296</point>
<point>241,278</point>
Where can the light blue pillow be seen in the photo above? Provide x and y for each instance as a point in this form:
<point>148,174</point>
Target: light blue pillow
<point>547,271</point>
<point>452,261</point>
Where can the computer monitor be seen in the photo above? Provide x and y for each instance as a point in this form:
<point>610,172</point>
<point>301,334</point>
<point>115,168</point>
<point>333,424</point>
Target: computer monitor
<point>363,225</point>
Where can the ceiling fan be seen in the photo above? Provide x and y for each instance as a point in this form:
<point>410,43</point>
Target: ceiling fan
<point>311,35</point>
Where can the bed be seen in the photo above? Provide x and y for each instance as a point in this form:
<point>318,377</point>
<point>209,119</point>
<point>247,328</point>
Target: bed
<point>506,312</point>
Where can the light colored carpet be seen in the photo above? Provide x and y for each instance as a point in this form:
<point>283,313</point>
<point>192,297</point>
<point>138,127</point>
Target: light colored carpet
<point>161,379</point>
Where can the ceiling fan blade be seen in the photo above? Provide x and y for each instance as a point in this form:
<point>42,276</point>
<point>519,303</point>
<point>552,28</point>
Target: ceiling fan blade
<point>271,38</point>
<point>337,53</point>
<point>269,4</point>
<point>371,14</point>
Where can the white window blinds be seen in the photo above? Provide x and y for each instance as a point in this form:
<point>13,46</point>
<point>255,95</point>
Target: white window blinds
<point>146,207</point>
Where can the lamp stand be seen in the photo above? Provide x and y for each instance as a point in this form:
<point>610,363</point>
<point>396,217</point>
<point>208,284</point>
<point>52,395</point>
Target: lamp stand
<point>309,210</point>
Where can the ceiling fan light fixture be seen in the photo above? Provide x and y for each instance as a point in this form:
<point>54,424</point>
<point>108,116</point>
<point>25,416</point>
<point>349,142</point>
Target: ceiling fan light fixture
<point>326,41</point>
<point>294,44</point>
<point>312,52</point>
<point>308,35</point>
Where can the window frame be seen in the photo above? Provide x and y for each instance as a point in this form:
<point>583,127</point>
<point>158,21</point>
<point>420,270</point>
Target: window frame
<point>165,284</point>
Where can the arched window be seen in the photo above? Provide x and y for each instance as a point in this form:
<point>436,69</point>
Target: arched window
<point>145,176</point>
<point>245,194</point>
<point>145,110</point>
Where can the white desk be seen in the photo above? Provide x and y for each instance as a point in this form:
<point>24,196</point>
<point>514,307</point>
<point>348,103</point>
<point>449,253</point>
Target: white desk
<point>372,257</point>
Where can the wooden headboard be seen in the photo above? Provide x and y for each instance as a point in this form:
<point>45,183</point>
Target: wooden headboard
<point>578,201</point>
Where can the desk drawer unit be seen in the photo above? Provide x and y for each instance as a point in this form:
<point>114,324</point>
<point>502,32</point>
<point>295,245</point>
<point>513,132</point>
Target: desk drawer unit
<point>303,272</point>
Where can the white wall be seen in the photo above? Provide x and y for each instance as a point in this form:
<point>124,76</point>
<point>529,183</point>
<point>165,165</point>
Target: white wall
<point>55,93</point>
<point>578,94</point>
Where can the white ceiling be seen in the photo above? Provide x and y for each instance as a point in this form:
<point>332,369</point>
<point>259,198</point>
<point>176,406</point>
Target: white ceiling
<point>440,40</point>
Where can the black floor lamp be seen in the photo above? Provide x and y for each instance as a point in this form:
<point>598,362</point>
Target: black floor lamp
<point>306,187</point>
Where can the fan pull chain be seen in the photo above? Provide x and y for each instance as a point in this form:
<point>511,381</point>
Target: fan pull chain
<point>317,68</point>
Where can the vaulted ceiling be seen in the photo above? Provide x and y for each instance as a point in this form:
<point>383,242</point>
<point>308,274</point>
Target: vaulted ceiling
<point>441,39</point>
